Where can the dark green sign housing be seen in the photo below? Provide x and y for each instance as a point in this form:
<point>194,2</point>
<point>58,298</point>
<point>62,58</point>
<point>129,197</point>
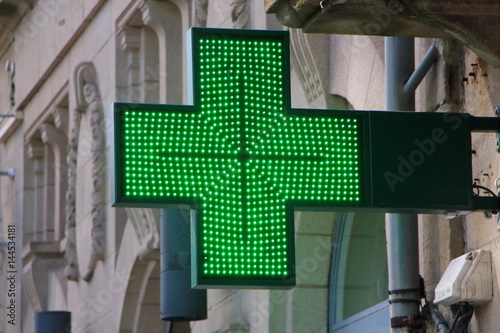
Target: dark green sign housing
<point>244,159</point>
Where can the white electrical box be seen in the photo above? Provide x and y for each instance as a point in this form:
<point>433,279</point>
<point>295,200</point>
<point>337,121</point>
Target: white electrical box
<point>467,279</point>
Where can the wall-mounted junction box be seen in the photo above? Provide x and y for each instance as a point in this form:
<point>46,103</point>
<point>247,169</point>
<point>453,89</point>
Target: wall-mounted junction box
<point>467,279</point>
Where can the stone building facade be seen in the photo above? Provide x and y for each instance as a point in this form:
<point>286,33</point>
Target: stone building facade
<point>64,62</point>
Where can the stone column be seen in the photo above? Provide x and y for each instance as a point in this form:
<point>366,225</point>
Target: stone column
<point>56,141</point>
<point>130,41</point>
<point>36,152</point>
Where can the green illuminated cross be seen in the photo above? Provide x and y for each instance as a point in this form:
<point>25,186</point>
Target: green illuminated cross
<point>241,155</point>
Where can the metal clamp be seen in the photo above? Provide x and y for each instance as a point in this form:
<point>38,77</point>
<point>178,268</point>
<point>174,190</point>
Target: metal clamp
<point>404,300</point>
<point>407,290</point>
<point>11,173</point>
<point>497,113</point>
<point>497,184</point>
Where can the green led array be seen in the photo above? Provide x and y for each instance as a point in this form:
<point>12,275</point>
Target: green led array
<point>242,156</point>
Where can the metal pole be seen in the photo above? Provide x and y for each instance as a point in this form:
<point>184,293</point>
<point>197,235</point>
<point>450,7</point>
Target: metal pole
<point>178,300</point>
<point>53,322</point>
<point>401,229</point>
<point>419,73</point>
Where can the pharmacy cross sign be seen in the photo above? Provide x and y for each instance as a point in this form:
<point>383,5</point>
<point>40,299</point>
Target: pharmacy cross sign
<point>240,156</point>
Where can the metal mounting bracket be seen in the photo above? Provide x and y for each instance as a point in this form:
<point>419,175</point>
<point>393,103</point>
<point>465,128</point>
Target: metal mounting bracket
<point>11,173</point>
<point>497,113</point>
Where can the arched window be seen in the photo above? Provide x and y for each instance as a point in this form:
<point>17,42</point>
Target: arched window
<point>44,202</point>
<point>358,274</point>
<point>46,178</point>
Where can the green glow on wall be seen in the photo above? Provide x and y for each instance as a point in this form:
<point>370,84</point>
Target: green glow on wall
<point>240,156</point>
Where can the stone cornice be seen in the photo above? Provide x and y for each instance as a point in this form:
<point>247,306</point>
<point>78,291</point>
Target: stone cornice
<point>44,249</point>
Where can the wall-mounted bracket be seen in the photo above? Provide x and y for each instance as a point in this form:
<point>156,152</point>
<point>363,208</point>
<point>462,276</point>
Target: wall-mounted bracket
<point>486,125</point>
<point>11,173</point>
<point>487,204</point>
<point>418,75</point>
<point>489,125</point>
<point>497,183</point>
<point>497,112</point>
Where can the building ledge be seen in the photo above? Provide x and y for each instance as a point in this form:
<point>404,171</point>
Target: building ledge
<point>8,125</point>
<point>475,23</point>
<point>44,249</point>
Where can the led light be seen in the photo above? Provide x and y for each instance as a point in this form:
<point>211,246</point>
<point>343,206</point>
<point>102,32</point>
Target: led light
<point>241,156</point>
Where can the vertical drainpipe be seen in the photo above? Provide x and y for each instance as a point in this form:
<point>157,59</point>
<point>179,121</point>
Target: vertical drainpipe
<point>401,229</point>
<point>53,322</point>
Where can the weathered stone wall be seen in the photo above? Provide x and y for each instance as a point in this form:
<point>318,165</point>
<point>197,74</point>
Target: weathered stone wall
<point>461,82</point>
<point>53,39</point>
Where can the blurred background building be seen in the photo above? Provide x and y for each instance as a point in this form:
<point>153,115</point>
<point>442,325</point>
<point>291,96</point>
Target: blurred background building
<point>64,62</point>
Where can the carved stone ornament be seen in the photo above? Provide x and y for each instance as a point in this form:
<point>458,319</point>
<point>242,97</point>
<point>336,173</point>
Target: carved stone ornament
<point>10,68</point>
<point>43,266</point>
<point>200,13</point>
<point>89,103</point>
<point>240,15</point>
<point>305,66</point>
<point>147,229</point>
